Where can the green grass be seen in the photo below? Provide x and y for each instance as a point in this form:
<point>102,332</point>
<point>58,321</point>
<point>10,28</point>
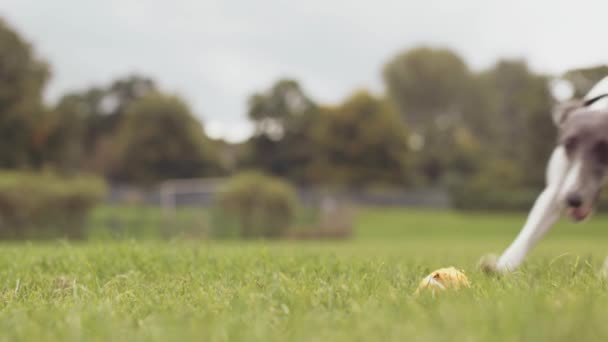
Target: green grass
<point>359,290</point>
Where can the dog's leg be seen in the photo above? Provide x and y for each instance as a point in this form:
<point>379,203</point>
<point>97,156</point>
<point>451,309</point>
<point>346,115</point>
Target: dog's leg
<point>544,214</point>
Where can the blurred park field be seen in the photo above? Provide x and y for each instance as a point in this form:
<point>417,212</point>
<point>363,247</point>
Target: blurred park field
<point>369,223</point>
<point>136,207</point>
<point>276,290</point>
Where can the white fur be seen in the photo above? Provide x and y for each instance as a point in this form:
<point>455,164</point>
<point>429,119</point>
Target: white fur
<point>571,179</point>
<point>546,210</point>
<point>599,89</point>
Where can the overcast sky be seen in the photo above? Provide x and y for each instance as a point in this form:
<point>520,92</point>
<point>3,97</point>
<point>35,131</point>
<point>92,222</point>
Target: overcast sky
<point>216,53</point>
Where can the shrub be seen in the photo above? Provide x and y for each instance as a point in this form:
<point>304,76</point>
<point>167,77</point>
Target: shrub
<point>498,198</point>
<point>496,187</point>
<point>44,205</point>
<point>494,199</point>
<point>253,205</point>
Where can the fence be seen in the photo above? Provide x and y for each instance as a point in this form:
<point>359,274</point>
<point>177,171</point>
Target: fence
<point>200,193</point>
<point>183,208</point>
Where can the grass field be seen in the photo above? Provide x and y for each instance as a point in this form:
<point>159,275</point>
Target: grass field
<point>359,290</point>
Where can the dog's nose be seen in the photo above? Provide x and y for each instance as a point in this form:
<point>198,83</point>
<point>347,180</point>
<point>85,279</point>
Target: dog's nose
<point>574,201</point>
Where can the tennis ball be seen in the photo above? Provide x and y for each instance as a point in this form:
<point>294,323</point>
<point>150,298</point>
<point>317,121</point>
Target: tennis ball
<point>448,278</point>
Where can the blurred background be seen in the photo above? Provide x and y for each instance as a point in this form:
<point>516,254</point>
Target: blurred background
<point>268,119</point>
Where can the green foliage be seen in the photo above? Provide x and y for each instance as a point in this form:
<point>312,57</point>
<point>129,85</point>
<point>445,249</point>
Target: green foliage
<point>360,142</point>
<point>454,121</point>
<point>520,123</point>
<point>87,122</point>
<point>22,80</point>
<point>64,148</point>
<point>426,83</point>
<point>255,206</point>
<point>503,112</point>
<point>470,198</point>
<point>496,185</point>
<point>432,89</point>
<point>160,139</point>
<point>280,110</point>
<point>43,205</point>
<point>282,143</point>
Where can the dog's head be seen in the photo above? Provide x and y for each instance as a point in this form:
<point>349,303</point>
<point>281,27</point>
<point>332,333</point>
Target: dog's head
<point>583,136</point>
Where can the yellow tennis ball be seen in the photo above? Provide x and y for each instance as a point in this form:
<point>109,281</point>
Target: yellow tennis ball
<point>448,278</point>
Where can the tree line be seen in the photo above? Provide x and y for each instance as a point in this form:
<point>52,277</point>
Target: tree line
<point>437,124</point>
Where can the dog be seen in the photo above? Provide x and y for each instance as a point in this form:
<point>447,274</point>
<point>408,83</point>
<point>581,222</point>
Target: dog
<point>576,171</point>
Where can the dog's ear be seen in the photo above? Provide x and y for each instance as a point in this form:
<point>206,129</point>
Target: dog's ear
<point>562,110</point>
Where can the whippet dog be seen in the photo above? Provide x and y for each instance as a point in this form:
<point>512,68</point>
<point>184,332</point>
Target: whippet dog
<point>577,169</point>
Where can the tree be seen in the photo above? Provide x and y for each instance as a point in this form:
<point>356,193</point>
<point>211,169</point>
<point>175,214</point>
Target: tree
<point>283,118</point>
<point>100,110</point>
<point>281,110</point>
<point>520,110</point>
<point>431,88</point>
<point>360,142</point>
<point>65,130</point>
<point>425,84</point>
<point>158,139</point>
<point>22,80</point>
<point>117,98</point>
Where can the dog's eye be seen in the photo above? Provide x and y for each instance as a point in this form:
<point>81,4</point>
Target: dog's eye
<point>570,144</point>
<point>601,151</point>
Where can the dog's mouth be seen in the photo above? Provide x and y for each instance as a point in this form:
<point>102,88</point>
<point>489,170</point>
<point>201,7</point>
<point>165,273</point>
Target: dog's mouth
<point>580,213</point>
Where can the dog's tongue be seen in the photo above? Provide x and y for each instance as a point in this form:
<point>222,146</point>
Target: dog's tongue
<point>579,214</point>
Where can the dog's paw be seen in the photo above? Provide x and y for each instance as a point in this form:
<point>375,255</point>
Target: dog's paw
<point>488,264</point>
